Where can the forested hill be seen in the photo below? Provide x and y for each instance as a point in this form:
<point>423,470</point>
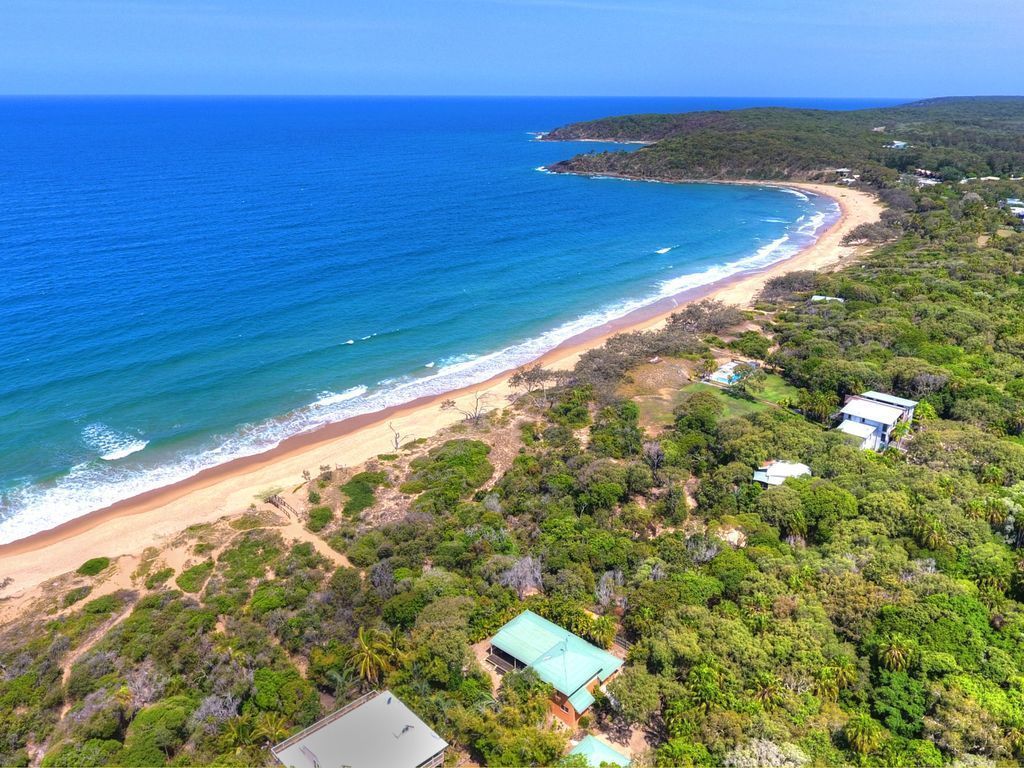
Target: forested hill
<point>954,137</point>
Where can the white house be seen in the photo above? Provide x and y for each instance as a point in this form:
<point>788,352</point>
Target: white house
<point>776,472</point>
<point>373,731</point>
<point>872,416</point>
<point>896,145</point>
<point>820,297</point>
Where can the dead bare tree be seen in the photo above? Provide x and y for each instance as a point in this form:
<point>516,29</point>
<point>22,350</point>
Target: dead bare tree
<point>523,576</point>
<point>396,436</point>
<point>654,456</point>
<point>473,412</point>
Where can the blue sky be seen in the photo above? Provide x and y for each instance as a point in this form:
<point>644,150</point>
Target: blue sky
<point>839,48</point>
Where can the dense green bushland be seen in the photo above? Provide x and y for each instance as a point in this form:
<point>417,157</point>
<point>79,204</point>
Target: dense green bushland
<point>955,138</point>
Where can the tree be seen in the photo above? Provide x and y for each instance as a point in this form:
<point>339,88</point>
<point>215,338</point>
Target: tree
<point>473,411</point>
<point>396,437</point>
<point>817,405</point>
<point>637,695</point>
<point>532,378</point>
<point>768,690</point>
<point>271,727</point>
<point>654,457</point>
<point>524,576</point>
<point>372,656</point>
<point>895,652</point>
<point>747,379</point>
<point>863,734</point>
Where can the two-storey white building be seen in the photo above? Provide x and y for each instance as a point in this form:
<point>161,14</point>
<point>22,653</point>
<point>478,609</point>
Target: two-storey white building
<point>872,416</point>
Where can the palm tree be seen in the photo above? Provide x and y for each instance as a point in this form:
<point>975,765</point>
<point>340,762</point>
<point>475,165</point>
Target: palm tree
<point>895,652</point>
<point>703,687</point>
<point>271,727</point>
<point>929,532</point>
<point>863,734</point>
<point>238,733</point>
<point>825,685</point>
<point>342,680</point>
<point>768,691</point>
<point>995,510</point>
<point>372,656</point>
<point>845,672</point>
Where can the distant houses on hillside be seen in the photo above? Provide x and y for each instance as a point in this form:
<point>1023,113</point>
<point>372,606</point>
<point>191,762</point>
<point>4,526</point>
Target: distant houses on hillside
<point>872,418</point>
<point>1015,205</point>
<point>897,145</point>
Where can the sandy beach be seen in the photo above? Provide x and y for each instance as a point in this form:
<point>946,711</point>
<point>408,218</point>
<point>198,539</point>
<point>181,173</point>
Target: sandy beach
<point>149,519</point>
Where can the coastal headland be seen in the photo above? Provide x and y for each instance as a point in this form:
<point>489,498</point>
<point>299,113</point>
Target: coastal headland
<point>147,520</point>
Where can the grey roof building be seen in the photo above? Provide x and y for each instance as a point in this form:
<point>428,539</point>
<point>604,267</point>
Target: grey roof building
<point>374,731</point>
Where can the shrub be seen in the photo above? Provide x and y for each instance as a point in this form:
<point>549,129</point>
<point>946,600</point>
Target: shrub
<point>319,517</point>
<point>192,579</point>
<point>73,596</point>
<point>359,491</point>
<point>157,578</point>
<point>448,473</point>
<point>93,566</point>
<point>157,732</point>
<point>105,604</point>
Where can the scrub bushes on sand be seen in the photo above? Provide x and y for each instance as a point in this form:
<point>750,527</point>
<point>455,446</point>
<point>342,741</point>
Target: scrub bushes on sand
<point>192,579</point>
<point>157,578</point>
<point>448,473</point>
<point>359,491</point>
<point>93,566</point>
<point>319,517</point>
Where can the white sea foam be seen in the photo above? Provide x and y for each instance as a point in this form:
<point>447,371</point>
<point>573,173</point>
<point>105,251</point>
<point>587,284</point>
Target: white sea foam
<point>331,398</point>
<point>665,250</point>
<point>796,192</point>
<point>110,443</point>
<point>351,341</point>
<point>99,483</point>
<point>773,220</point>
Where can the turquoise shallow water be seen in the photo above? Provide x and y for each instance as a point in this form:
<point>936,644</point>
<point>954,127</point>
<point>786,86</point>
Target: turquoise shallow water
<point>186,281</point>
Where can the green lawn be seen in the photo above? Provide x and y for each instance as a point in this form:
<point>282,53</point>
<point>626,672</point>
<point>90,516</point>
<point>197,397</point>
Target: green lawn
<point>734,406</point>
<point>776,389</point>
<point>656,409</point>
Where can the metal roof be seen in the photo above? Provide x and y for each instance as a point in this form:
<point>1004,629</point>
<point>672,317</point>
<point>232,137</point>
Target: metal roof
<point>378,731</point>
<point>884,397</point>
<point>559,657</point>
<point>598,753</point>
<point>776,472</point>
<point>857,429</point>
<point>872,411</point>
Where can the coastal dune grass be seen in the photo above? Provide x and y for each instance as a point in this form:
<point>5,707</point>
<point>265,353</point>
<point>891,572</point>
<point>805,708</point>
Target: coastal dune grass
<point>93,566</point>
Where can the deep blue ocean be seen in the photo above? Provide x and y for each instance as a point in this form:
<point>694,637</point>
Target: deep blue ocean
<point>185,281</point>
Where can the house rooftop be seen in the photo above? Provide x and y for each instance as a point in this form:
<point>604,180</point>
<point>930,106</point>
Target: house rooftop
<point>559,657</point>
<point>857,429</point>
<point>872,410</point>
<point>598,753</point>
<point>776,472</point>
<point>378,730</point>
<point>883,397</point>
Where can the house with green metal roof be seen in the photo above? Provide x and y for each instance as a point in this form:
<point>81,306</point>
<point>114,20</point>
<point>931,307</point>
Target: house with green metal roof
<point>599,754</point>
<point>569,663</point>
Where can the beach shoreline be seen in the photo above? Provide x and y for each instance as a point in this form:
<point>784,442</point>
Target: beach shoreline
<point>132,525</point>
